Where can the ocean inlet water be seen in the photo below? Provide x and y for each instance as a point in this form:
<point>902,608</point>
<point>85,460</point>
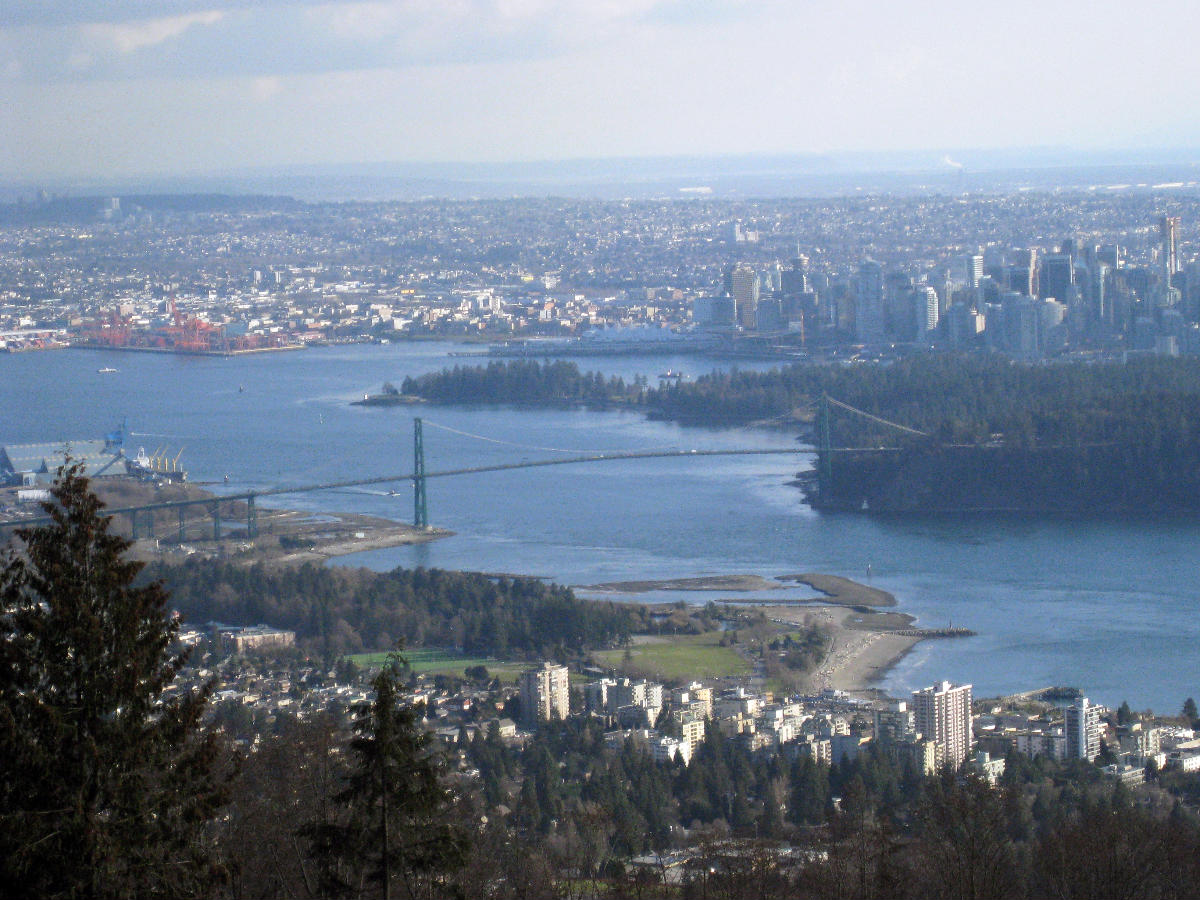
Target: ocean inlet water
<point>1109,606</point>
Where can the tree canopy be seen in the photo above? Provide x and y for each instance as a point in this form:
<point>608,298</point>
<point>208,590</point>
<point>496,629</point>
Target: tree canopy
<point>106,784</point>
<point>389,826</point>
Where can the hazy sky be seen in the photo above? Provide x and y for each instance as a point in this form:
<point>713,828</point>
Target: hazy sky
<point>100,87</point>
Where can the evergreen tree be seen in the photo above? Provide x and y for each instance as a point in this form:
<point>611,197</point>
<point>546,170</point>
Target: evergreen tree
<point>389,826</point>
<point>1124,713</point>
<point>106,788</point>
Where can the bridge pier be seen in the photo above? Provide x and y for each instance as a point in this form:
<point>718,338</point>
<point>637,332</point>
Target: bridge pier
<point>139,526</point>
<point>182,523</point>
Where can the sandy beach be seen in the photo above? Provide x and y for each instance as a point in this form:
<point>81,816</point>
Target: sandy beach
<point>862,650</point>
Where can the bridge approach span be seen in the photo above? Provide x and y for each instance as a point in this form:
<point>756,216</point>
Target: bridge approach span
<point>528,464</point>
<point>249,497</point>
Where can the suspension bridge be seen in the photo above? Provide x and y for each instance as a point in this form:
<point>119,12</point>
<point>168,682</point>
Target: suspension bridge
<point>142,517</point>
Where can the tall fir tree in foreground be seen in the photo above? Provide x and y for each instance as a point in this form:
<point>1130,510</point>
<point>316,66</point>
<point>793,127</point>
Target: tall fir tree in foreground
<point>389,832</point>
<point>106,788</point>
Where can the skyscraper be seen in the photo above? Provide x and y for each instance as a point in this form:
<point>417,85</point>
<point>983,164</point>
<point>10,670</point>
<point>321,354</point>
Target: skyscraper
<point>744,288</point>
<point>868,303</point>
<point>1168,230</point>
<point>1021,272</point>
<point>942,713</point>
<point>727,279</point>
<point>794,280</point>
<point>925,307</point>
<point>973,266</point>
<point>545,694</point>
<point>1056,277</point>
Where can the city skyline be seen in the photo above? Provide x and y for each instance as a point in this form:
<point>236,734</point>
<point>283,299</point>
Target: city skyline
<point>173,87</point>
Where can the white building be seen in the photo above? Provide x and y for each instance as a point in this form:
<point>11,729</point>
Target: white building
<point>942,713</point>
<point>545,694</point>
<point>1083,730</point>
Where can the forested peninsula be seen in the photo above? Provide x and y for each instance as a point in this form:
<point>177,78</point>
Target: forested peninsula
<point>980,432</point>
<point>337,611</point>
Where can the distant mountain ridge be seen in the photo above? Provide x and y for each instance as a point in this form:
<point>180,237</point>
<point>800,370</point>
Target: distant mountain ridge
<point>728,176</point>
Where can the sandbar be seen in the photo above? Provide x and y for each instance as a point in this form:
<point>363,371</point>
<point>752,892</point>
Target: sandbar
<point>843,591</point>
<point>700,583</point>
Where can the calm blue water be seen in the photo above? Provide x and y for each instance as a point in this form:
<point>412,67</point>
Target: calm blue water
<point>1109,606</point>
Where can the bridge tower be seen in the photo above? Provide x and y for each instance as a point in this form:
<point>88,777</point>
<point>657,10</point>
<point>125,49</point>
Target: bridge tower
<point>824,448</point>
<point>420,507</point>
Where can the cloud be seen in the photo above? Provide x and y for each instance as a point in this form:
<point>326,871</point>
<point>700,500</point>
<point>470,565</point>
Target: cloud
<point>266,87</point>
<point>217,38</point>
<point>129,37</point>
<point>452,26</point>
<point>67,13</point>
<point>80,61</point>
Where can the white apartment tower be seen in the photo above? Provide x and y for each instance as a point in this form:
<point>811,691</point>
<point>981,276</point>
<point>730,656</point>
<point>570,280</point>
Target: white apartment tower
<point>942,714</point>
<point>926,308</point>
<point>545,694</point>
<point>1083,730</point>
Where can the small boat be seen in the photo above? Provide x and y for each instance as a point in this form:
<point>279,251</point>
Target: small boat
<point>671,373</point>
<point>106,370</point>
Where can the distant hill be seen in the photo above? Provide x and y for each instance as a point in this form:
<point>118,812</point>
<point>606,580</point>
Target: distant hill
<point>952,170</point>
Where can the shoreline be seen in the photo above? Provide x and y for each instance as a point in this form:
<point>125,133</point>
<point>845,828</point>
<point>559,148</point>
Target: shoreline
<point>284,536</point>
<point>869,634</point>
<point>860,655</point>
<point>174,352</point>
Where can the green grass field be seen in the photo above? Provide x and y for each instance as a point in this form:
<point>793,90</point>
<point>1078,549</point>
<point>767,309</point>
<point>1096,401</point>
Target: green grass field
<point>669,658</point>
<point>435,661</point>
<point>679,657</point>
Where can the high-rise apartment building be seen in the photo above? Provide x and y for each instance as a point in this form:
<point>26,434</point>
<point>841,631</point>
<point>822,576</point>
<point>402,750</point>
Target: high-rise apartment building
<point>545,694</point>
<point>942,713</point>
<point>926,309</point>
<point>1083,730</point>
<point>973,269</point>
